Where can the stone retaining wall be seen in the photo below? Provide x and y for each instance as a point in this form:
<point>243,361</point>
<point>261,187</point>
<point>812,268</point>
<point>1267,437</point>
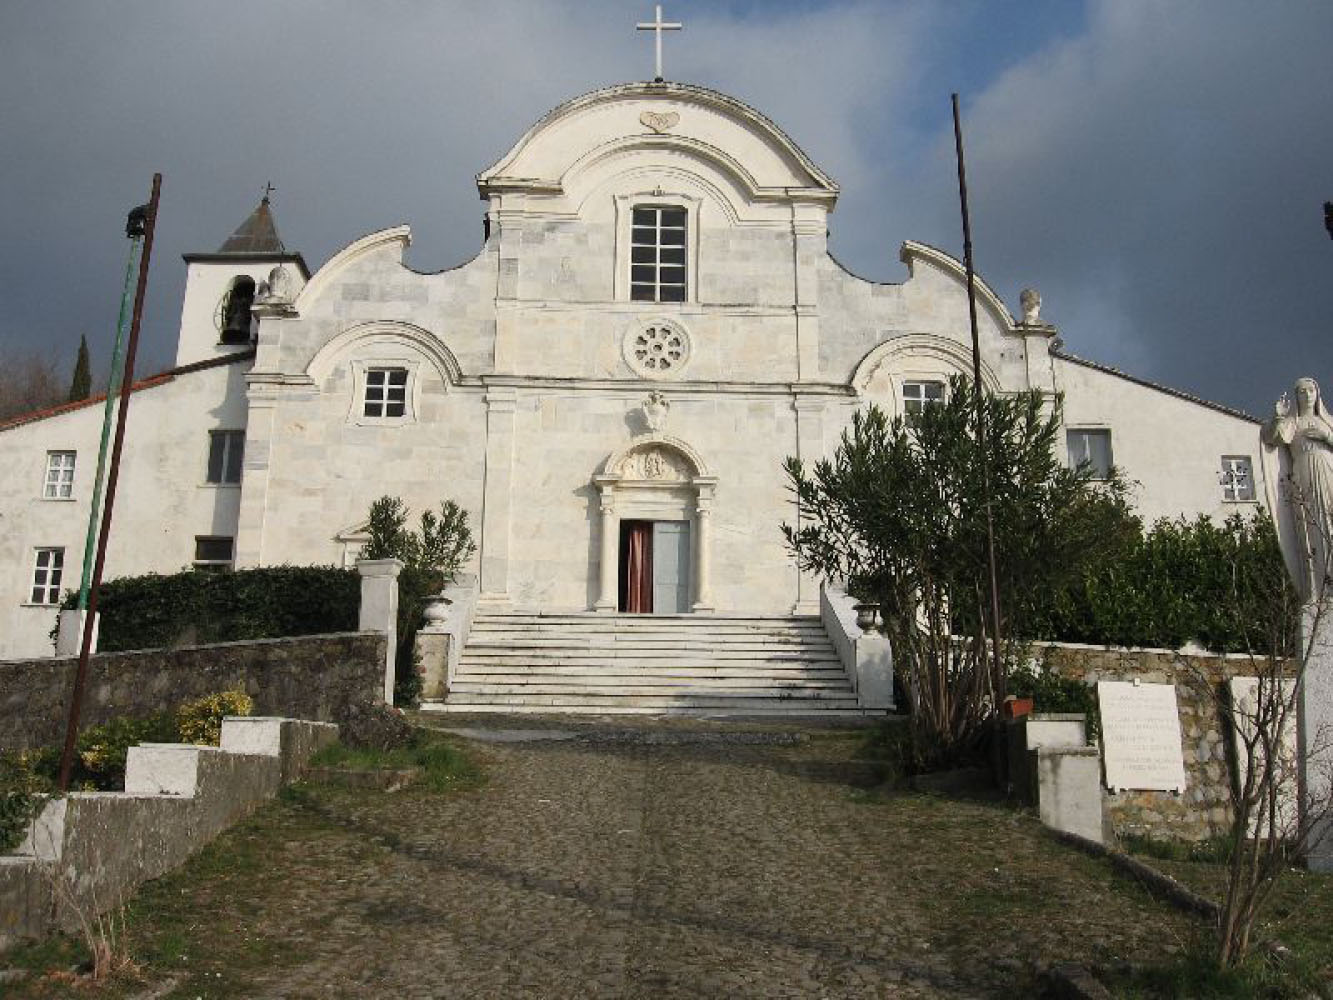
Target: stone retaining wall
<point>1204,810</point>
<point>310,677</point>
<point>88,851</point>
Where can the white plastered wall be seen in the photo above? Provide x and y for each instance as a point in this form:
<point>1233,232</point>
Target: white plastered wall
<point>162,501</point>
<point>1170,448</point>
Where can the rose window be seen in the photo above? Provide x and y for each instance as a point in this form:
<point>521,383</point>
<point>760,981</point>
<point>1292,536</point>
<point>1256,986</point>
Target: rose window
<point>658,350</point>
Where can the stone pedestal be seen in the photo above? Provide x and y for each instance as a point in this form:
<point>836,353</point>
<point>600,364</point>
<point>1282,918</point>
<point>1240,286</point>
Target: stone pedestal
<point>69,638</point>
<point>1315,732</point>
<point>433,654</point>
<point>379,610</point>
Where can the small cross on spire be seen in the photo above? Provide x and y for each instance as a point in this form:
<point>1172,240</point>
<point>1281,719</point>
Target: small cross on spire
<point>268,190</point>
<point>657,27</point>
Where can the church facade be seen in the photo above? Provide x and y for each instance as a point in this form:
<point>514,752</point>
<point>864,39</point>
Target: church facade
<point>610,387</point>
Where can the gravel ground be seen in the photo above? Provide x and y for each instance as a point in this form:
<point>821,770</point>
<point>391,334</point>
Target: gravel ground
<point>618,860</point>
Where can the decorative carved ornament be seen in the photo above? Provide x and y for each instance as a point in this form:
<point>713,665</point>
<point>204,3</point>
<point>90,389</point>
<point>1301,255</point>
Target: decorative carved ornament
<point>655,464</point>
<point>656,409</point>
<point>659,349</point>
<point>660,121</point>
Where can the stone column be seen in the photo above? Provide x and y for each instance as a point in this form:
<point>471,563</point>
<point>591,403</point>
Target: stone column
<point>69,638</point>
<point>703,544</point>
<point>809,229</point>
<point>607,596</point>
<point>379,610</point>
<point>495,514</point>
<point>1314,717</point>
<point>262,394</point>
<point>809,449</point>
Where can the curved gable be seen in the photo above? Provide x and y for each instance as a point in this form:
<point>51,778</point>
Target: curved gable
<point>669,118</point>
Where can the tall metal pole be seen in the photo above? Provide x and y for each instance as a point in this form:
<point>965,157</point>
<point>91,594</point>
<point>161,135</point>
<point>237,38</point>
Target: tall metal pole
<point>980,403</point>
<point>146,215</point>
<point>108,411</point>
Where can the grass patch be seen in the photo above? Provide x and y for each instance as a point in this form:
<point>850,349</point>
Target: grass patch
<point>1195,976</point>
<point>888,746</point>
<point>1214,850</point>
<point>444,766</point>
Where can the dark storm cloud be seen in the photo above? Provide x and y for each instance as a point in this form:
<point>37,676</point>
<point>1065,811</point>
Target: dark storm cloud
<point>1156,170</point>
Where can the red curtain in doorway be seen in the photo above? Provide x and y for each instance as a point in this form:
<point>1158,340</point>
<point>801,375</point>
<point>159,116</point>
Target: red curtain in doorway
<point>639,569</point>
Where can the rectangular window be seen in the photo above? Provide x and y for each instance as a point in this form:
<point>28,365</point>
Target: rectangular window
<point>226,450</point>
<point>917,395</point>
<point>386,392</point>
<point>1237,478</point>
<point>657,255</point>
<point>59,483</point>
<point>48,568</point>
<point>213,553</point>
<point>1090,446</point>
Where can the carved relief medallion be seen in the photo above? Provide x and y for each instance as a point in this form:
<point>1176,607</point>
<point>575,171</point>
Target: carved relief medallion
<point>660,121</point>
<point>654,464</point>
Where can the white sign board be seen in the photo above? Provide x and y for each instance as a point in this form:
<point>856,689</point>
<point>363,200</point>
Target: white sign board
<point>1141,736</point>
<point>1244,714</point>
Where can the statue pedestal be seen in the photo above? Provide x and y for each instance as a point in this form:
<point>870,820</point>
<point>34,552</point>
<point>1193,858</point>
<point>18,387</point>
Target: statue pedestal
<point>1315,732</point>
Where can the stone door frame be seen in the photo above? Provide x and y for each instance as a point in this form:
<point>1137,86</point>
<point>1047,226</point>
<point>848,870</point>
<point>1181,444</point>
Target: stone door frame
<point>655,477</point>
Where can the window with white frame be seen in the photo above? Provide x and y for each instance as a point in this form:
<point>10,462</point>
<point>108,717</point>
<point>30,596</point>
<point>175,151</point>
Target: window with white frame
<point>385,395</point>
<point>920,393</point>
<point>1090,446</point>
<point>657,254</point>
<point>48,568</point>
<point>226,450</point>
<point>214,553</point>
<point>59,484</point>
<point>1237,478</point>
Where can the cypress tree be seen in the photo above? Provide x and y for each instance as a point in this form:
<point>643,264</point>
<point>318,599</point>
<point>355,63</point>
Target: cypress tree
<point>81,386</point>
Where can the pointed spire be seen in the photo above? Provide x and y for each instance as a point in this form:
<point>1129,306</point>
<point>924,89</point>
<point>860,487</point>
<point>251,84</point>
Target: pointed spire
<point>257,234</point>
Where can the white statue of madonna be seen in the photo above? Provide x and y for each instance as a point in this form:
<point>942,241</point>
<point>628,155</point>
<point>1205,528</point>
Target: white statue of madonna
<point>1304,514</point>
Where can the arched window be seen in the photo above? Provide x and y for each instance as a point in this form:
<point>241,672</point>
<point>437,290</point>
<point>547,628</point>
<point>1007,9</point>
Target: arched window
<point>236,310</point>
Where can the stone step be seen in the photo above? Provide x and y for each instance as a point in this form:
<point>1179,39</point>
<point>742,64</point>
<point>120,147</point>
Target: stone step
<point>611,679</point>
<point>797,712</point>
<point>665,635</point>
<point>633,670</point>
<point>697,702</point>
<point>644,635</point>
<point>662,656</point>
<point>600,619</point>
<point>589,647</point>
<point>686,664</point>
<point>676,691</point>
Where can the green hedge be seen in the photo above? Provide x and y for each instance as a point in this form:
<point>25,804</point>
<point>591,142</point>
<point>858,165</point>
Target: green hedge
<point>153,611</point>
<point>1222,585</point>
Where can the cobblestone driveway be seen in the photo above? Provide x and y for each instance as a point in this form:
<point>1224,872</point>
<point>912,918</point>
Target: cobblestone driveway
<point>674,862</point>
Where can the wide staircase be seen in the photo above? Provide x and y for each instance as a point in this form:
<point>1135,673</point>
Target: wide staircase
<point>648,664</point>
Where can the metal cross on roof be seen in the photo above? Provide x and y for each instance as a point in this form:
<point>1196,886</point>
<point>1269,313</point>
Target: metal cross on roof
<point>268,189</point>
<point>657,27</point>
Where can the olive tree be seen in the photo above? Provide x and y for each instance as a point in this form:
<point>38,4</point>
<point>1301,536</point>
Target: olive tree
<point>898,513</point>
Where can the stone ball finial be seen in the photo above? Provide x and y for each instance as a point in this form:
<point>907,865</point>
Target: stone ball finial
<point>1030,300</point>
<point>278,288</point>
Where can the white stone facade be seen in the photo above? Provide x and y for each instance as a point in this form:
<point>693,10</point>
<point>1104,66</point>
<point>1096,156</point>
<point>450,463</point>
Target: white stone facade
<point>527,370</point>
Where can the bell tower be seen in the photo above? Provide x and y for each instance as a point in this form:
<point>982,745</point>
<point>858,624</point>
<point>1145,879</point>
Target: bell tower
<point>221,288</point>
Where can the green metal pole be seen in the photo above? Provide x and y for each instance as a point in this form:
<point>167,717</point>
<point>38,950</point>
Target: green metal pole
<point>112,390</point>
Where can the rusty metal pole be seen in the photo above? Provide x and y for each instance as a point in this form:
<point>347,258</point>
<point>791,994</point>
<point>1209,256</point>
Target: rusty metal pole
<point>979,401</point>
<point>146,215</point>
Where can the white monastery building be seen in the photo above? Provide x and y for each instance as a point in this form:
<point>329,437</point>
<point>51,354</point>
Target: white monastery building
<point>651,326</point>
